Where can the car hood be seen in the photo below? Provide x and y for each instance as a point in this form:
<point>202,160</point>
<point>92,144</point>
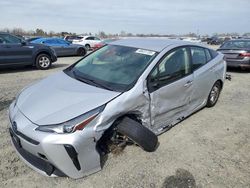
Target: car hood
<point>59,98</point>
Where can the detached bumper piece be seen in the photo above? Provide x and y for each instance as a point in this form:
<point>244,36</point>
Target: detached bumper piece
<point>73,155</point>
<point>35,161</point>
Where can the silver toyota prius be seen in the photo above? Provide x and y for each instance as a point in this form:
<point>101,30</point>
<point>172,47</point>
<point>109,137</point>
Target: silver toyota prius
<point>127,92</point>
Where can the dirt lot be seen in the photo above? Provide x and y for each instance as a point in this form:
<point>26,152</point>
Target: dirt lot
<point>209,149</point>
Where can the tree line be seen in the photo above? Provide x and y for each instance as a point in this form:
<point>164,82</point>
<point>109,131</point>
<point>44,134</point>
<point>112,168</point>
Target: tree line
<point>102,34</point>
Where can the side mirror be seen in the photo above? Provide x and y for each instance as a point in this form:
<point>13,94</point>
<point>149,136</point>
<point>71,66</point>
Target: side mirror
<point>152,84</point>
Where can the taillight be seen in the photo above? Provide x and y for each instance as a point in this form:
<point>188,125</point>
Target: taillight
<point>246,54</point>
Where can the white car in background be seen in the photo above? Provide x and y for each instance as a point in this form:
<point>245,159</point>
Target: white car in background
<point>87,41</point>
<point>192,39</point>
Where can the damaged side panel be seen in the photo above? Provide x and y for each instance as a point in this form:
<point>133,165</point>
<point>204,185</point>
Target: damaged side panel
<point>135,102</point>
<point>170,103</point>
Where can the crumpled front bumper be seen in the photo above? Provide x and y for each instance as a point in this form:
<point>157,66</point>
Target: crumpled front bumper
<point>74,155</point>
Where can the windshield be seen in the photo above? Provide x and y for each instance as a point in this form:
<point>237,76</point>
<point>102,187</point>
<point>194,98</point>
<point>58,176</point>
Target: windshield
<point>237,45</point>
<point>113,67</point>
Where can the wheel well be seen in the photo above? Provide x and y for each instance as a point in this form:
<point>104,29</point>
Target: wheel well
<point>81,48</point>
<point>221,83</point>
<point>102,143</point>
<point>43,52</point>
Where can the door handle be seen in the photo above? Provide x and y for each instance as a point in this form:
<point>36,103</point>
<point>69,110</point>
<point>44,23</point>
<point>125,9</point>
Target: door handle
<point>189,83</point>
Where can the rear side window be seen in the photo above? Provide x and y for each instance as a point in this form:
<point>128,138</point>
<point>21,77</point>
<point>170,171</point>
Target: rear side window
<point>50,41</point>
<point>90,38</point>
<point>208,55</point>
<point>198,57</point>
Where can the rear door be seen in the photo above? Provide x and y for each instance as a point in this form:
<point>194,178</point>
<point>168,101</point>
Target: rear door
<point>55,45</point>
<point>67,48</point>
<point>204,75</point>
<point>170,85</point>
<point>13,51</point>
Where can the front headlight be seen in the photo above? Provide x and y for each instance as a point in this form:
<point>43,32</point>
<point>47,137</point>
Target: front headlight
<point>73,125</point>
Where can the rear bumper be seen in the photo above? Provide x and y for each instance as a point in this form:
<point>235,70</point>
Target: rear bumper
<point>241,64</point>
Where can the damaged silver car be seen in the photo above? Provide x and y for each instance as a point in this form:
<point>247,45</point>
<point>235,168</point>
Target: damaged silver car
<point>127,92</point>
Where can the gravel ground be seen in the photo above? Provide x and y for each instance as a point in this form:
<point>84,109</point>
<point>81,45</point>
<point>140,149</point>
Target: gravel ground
<point>209,149</point>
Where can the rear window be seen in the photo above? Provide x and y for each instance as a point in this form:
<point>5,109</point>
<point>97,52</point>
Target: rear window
<point>236,44</point>
<point>78,38</point>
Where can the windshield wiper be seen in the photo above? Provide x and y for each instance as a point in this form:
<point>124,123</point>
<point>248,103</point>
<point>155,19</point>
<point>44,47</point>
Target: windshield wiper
<point>91,81</point>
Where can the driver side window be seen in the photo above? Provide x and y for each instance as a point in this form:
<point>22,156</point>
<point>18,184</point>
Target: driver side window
<point>9,39</point>
<point>174,66</point>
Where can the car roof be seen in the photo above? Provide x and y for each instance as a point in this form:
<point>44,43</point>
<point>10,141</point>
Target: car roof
<point>151,44</point>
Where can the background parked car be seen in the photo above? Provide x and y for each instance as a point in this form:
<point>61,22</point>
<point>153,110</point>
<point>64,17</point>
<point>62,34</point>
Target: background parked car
<point>237,53</point>
<point>62,47</point>
<point>16,51</point>
<point>70,38</point>
<point>191,39</point>
<point>88,41</point>
<point>215,40</point>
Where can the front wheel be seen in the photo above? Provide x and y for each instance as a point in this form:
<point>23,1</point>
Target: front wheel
<point>43,62</point>
<point>139,134</point>
<point>214,94</point>
<point>87,46</point>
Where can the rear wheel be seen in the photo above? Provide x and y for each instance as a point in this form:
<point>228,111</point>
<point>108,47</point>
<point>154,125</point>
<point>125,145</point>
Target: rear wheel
<point>214,94</point>
<point>139,134</point>
<point>43,61</point>
<point>81,52</point>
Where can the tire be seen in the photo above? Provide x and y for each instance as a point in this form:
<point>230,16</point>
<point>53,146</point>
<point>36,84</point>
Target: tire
<point>81,52</point>
<point>139,134</point>
<point>43,61</point>
<point>87,46</point>
<point>214,94</point>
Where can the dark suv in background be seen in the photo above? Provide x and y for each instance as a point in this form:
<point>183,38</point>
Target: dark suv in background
<point>15,51</point>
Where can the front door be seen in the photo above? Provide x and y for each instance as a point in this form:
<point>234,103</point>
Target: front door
<point>170,85</point>
<point>13,51</point>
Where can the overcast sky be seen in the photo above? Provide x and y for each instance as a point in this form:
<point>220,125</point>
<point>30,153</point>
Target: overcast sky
<point>135,16</point>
